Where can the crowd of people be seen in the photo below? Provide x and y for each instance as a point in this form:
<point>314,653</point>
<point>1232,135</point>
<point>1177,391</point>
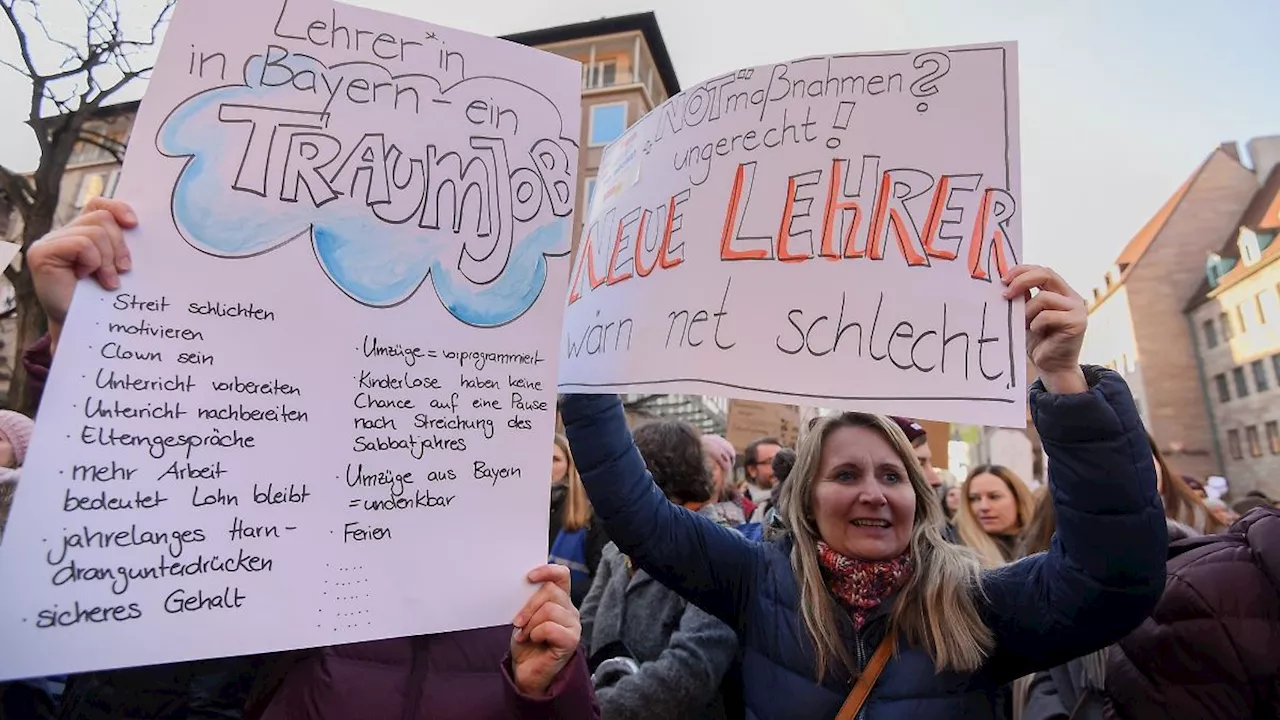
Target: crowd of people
<point>840,578</point>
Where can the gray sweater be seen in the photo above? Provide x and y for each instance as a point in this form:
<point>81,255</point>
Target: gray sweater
<point>682,651</point>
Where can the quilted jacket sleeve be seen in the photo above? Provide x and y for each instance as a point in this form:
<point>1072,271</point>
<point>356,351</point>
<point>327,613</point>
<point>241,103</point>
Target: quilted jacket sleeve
<point>710,566</point>
<point>1105,570</point>
<point>1210,648</point>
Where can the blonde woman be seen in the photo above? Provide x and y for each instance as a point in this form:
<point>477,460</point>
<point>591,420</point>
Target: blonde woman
<point>996,506</point>
<point>864,565</point>
<point>575,540</point>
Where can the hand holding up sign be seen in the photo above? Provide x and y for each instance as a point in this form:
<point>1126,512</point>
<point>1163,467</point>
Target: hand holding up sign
<point>1056,321</point>
<point>92,244</point>
<point>548,630</point>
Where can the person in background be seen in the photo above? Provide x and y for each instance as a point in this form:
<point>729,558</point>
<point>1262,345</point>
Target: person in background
<point>574,539</point>
<point>771,515</point>
<point>1196,486</point>
<point>865,569</point>
<point>533,668</point>
<point>15,436</point>
<point>726,502</point>
<point>1209,649</point>
<point>1254,499</point>
<point>1075,689</point>
<point>759,468</point>
<point>996,505</point>
<point>653,654</point>
<point>1220,512</point>
<point>1181,500</point>
<point>951,501</point>
<point>919,439</point>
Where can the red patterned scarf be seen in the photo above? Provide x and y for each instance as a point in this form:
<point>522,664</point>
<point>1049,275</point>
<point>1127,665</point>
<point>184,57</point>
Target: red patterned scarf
<point>861,585</point>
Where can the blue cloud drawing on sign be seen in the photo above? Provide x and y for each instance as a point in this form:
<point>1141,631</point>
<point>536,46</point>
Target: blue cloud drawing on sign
<point>395,179</point>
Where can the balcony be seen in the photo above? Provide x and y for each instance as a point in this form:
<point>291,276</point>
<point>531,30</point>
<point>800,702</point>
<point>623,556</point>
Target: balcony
<point>614,61</point>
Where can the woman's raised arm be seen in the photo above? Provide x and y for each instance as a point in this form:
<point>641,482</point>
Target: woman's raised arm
<point>710,566</point>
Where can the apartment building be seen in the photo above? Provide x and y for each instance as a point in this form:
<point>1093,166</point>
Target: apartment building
<point>1235,314</point>
<point>1136,320</point>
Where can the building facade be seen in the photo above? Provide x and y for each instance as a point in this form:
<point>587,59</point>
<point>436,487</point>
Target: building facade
<point>1136,320</point>
<point>1235,316</point>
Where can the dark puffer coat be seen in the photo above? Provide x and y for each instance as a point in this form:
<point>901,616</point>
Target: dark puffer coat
<point>1044,610</point>
<point>1211,648</point>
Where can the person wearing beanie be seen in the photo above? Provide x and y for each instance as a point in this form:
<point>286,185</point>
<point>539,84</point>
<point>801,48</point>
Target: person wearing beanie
<point>726,506</point>
<point>15,436</point>
<point>919,440</point>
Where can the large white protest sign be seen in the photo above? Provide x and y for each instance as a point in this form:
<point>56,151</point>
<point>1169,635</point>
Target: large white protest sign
<point>320,408</point>
<point>826,231</point>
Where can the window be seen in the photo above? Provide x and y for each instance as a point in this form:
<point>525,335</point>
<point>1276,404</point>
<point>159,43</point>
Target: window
<point>97,184</point>
<point>607,123</point>
<point>1260,375</point>
<point>1233,443</point>
<point>1255,443</point>
<point>588,195</point>
<point>1262,301</point>
<point>1247,241</point>
<point>1240,321</point>
<point>1242,384</point>
<point>1224,391</point>
<point>603,74</point>
<point>1273,437</point>
<point>1210,334</point>
<point>1228,332</point>
<point>1275,366</point>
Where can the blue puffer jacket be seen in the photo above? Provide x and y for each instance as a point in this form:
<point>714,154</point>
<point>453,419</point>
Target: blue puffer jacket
<point>1103,575</point>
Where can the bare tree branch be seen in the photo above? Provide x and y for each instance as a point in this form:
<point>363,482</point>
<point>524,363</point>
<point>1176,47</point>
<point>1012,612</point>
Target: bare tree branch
<point>111,145</point>
<point>24,45</point>
<point>17,188</point>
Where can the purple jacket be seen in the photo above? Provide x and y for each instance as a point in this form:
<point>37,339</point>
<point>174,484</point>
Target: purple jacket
<point>464,675</point>
<point>1211,648</point>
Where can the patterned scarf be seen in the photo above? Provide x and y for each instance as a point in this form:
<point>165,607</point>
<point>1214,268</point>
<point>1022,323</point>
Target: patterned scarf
<point>861,585</point>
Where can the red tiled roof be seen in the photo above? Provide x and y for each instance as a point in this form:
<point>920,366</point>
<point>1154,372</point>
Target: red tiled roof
<point>1141,242</point>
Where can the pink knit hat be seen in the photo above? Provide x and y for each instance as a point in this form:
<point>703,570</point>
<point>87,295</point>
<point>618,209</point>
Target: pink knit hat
<point>16,428</point>
<point>720,451</point>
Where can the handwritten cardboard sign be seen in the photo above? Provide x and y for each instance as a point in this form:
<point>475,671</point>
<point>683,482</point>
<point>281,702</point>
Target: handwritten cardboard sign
<point>325,394</point>
<point>749,421</point>
<point>826,231</point>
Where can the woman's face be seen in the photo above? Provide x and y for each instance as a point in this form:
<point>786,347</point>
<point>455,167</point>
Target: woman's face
<point>1159,476</point>
<point>953,499</point>
<point>559,465</point>
<point>863,502</point>
<point>993,504</point>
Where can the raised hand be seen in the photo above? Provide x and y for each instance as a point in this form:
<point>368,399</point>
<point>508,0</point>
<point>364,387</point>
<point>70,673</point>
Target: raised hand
<point>548,630</point>
<point>92,244</point>
<point>1056,321</point>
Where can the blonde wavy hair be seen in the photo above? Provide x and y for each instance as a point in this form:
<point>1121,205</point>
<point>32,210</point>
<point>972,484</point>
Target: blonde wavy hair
<point>577,508</point>
<point>937,609</point>
<point>970,530</point>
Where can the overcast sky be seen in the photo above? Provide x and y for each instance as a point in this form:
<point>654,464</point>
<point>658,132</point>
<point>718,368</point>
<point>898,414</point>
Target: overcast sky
<point>1120,99</point>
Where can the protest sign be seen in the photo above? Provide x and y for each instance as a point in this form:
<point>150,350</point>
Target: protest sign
<point>825,231</point>
<point>323,397</point>
<point>749,421</point>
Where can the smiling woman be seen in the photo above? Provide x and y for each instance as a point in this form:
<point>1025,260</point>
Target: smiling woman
<point>862,564</point>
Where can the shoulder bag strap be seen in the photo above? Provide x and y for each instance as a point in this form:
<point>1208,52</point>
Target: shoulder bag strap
<point>867,680</point>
